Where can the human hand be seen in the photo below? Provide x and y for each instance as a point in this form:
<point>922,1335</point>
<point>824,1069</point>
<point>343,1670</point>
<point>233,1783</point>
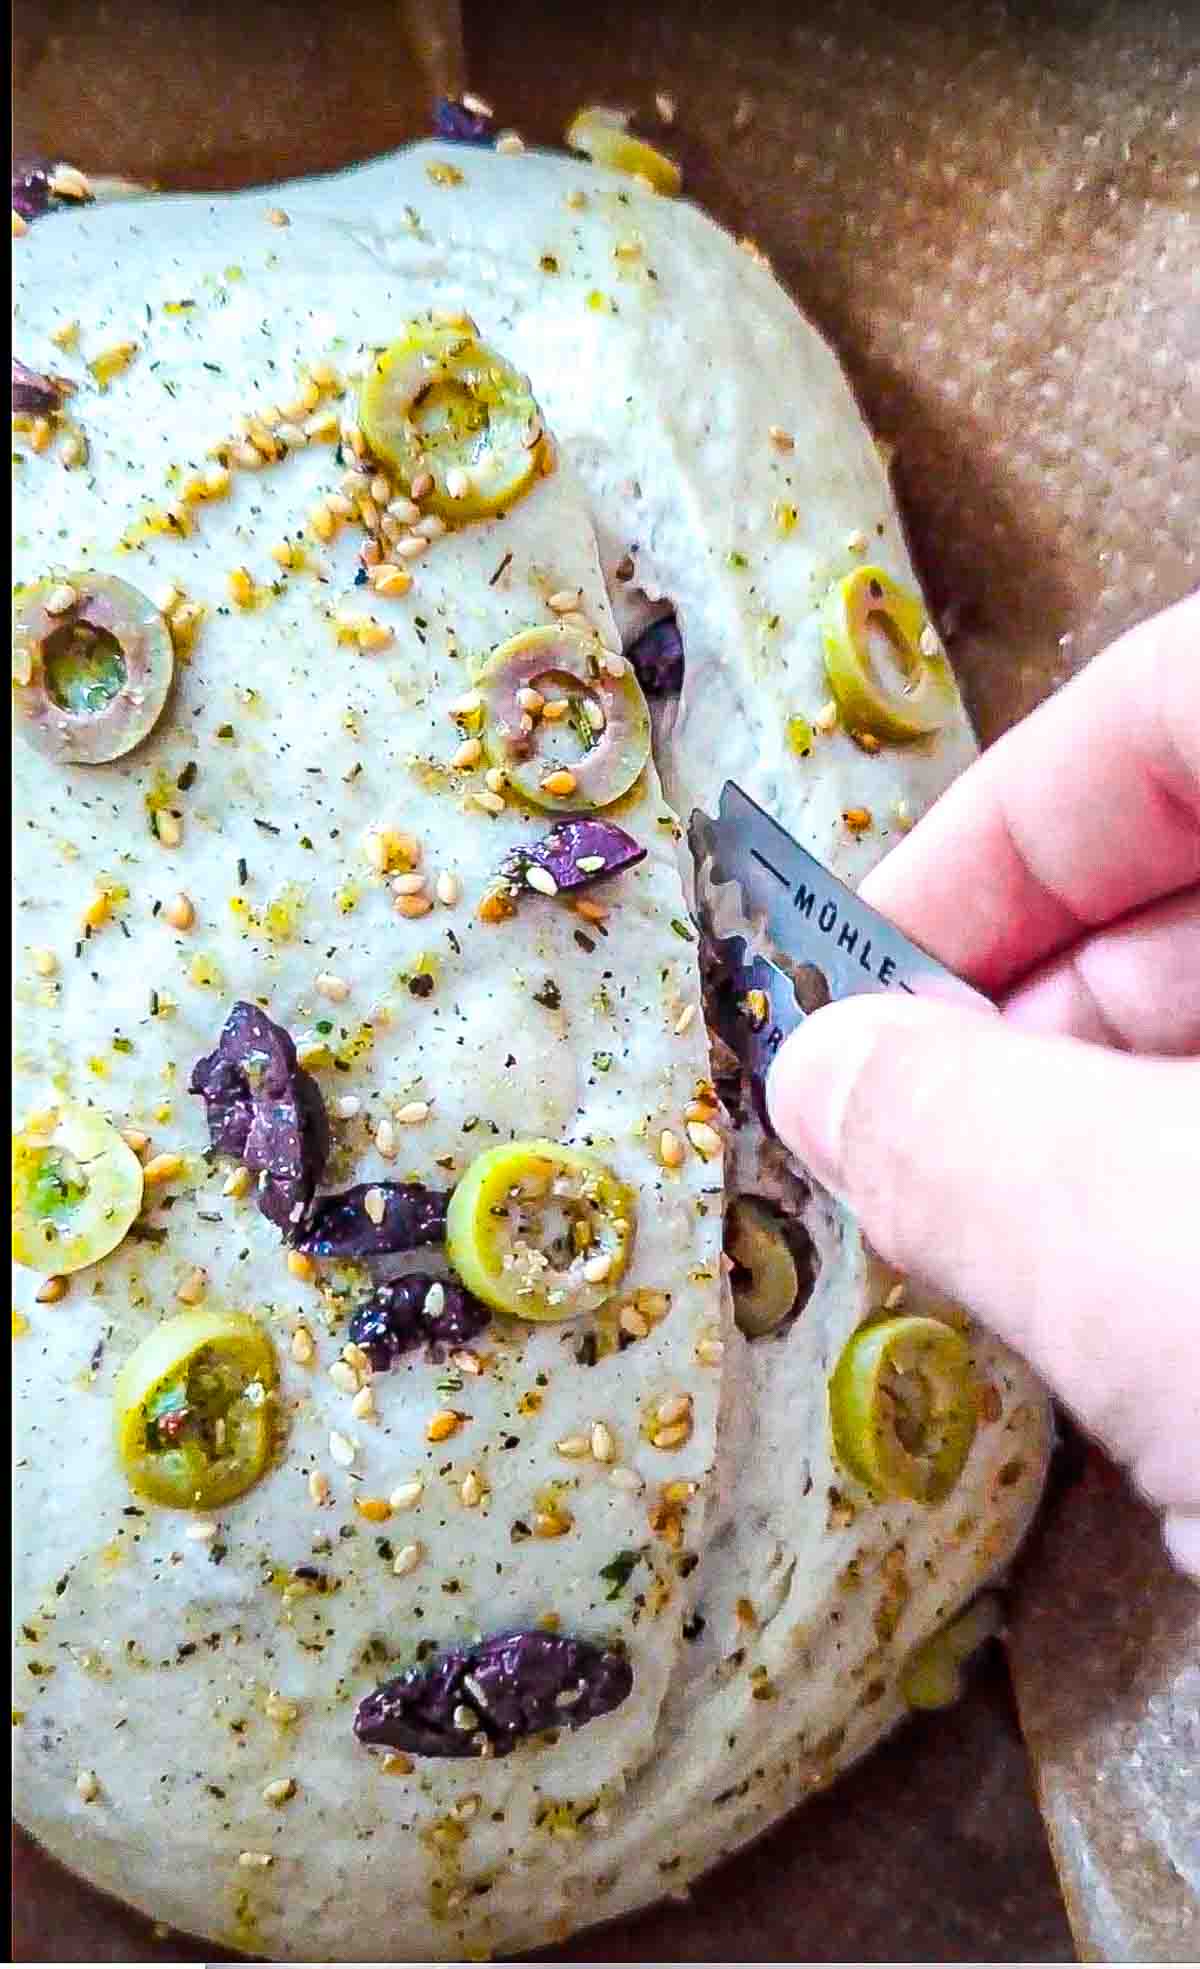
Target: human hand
<point>1044,1166</point>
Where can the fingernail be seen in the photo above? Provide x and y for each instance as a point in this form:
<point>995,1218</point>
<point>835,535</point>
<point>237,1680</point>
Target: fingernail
<point>810,1085</point>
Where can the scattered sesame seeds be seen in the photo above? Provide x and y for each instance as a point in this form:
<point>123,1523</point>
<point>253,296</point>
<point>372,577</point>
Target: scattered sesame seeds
<point>300,1265</point>
<point>469,753</point>
<point>603,1443</point>
<point>407,1559</point>
<point>896,1297</point>
<point>826,719</point>
<point>180,912</point>
<point>555,708</point>
<point>261,1860</point>
<point>541,879</point>
<point>412,906</point>
<point>677,1408</point>
<point>858,820</point>
<point>622,1478</point>
<point>396,1764</point>
<point>87,1784</point>
<point>671,1151</point>
<point>275,217</point>
<point>388,579</point>
<point>704,1140</point>
<point>443,1423</point>
<point>856,542</point>
<point>51,1290</point>
<point>632,1322</point>
<point>304,1349</point>
<point>194,1287</point>
<point>565,600</point>
<point>413,1113</point>
<point>279,1791</point>
<point>168,830</point>
<point>202,1532</point>
<point>279,1709</point>
<point>376,1510</point>
<point>406,1495</point>
<point>422,485</point>
<point>408,885</point>
<point>344,1377</point>
<point>495,779</point>
<point>342,1449</point>
<point>552,1524</point>
<point>472,1489</point>
<point>597,1269</point>
<point>334,988</point>
<point>19,225</point>
<point>685,1018</point>
<point>573,1447</point>
<point>493,803</point>
<point>375,1205</point>
<point>448,888</point>
<point>241,587</point>
<point>509,144</point>
<point>710,1353</point>
<point>561,783</point>
<point>239,1183</point>
<point>318,1487</point>
<point>929,642</point>
<point>385,1140</point>
<point>60,599</point>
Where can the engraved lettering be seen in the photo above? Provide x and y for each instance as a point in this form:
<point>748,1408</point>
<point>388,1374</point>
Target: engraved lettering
<point>828,916</point>
<point>864,955</point>
<point>847,938</point>
<point>804,899</point>
<point>887,970</point>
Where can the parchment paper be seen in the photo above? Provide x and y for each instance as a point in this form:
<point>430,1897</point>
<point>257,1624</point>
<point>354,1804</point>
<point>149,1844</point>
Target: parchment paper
<point>994,212</point>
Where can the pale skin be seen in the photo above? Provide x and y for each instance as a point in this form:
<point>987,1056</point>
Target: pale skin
<point>1044,1166</point>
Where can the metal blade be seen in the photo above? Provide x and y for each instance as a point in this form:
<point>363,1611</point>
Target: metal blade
<point>825,943</point>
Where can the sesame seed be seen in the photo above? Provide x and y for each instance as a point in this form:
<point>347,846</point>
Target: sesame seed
<point>251,1860</point>
<point>665,105</point>
<point>632,1322</point>
<point>344,1377</point>
<point>279,1791</point>
<point>902,815</point>
<point>431,527</point>
<point>180,912</point>
<point>469,753</point>
<point>362,1408</point>
<point>241,587</point>
<point>463,1359</point>
<point>552,1524</point>
<point>396,1764</point>
<point>202,1532</point>
<point>613,663</point>
<point>564,600</point>
<point>318,1487</point>
<point>408,1558</point>
<point>406,1495</point>
<point>278,1709</point>
<point>303,1346</point>
<point>422,485</point>
<point>509,144</point>
<point>194,1286</point>
<point>342,1450</point>
<point>435,1300</point>
<point>541,879</point>
<point>896,1297</point>
<point>388,579</point>
<point>826,719</point>
<point>408,885</point>
<point>275,217</point>
<point>560,783</point>
<point>623,1479</point>
<point>929,642</point>
<point>375,1205</point>
<point>445,1422</point>
<point>163,1168</point>
<point>856,542</point>
<point>704,1140</point>
<point>51,1290</point>
<point>495,779</point>
<point>98,910</point>
<point>239,1183</point>
<point>685,1018</point>
<point>597,1269</point>
<point>674,1409</point>
<point>358,1357</point>
<point>376,1510</point>
<point>471,1489</point>
<point>168,830</point>
<point>530,700</point>
<point>555,708</point>
<point>858,820</point>
<point>300,1265</point>
<point>671,1151</point>
<point>672,1436</point>
<point>448,888</point>
<point>412,906</point>
<point>490,803</point>
<point>458,483</point>
<point>87,1784</point>
<point>604,1446</point>
<point>467,706</point>
<point>19,225</point>
<point>331,987</point>
<point>710,1353</point>
<point>573,1447</point>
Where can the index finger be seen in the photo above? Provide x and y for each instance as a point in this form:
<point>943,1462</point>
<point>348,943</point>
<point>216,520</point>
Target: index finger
<point>1088,809</point>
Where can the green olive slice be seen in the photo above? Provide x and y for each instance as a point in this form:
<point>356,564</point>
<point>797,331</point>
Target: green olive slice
<point>603,135</point>
<point>765,1280</point>
<point>585,759</point>
<point>193,1409</point>
<point>92,666</point>
<point>886,668</point>
<point>931,1677</point>
<point>902,1403</point>
<point>540,1230</point>
<point>440,404</point>
<point>77,1188</point>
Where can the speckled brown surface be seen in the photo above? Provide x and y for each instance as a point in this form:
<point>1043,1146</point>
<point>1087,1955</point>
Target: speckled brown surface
<point>993,210</point>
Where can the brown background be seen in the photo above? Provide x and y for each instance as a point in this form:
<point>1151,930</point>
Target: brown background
<point>993,211</point>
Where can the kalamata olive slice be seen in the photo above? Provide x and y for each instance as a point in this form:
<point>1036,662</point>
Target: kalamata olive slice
<point>603,135</point>
<point>932,1675</point>
<point>77,1188</point>
<point>902,1403</point>
<point>193,1410</point>
<point>92,666</point>
<point>885,663</point>
<point>540,1230</point>
<point>584,759</point>
<point>766,1279</point>
<point>440,403</point>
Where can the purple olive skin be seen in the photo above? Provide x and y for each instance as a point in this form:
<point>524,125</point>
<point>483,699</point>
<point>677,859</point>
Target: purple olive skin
<point>657,658</point>
<point>264,1109</point>
<point>341,1226</point>
<point>34,394</point>
<point>576,839</point>
<point>394,1319</point>
<point>456,124</point>
<point>509,1687</point>
<point>31,188</point>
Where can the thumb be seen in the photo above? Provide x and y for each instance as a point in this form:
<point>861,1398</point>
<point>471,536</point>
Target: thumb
<point>1051,1186</point>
